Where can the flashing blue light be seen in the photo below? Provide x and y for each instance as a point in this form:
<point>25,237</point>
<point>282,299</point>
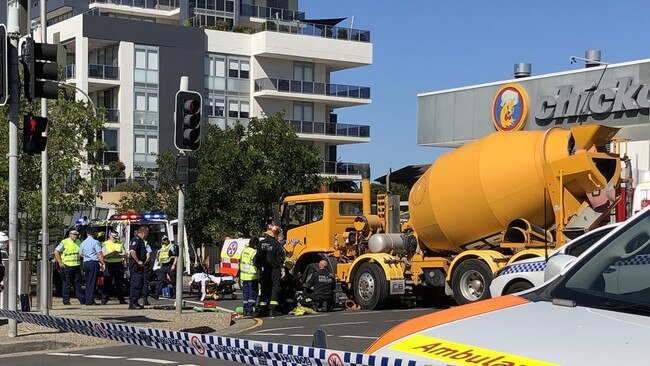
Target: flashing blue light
<point>151,216</point>
<point>147,216</point>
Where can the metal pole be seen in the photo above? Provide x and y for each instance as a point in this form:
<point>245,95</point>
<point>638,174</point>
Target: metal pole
<point>181,228</point>
<point>45,293</point>
<point>13,31</point>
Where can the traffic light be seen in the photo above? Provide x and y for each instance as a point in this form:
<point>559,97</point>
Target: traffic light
<point>187,120</point>
<point>41,70</point>
<point>186,169</point>
<point>33,128</point>
<point>4,66</point>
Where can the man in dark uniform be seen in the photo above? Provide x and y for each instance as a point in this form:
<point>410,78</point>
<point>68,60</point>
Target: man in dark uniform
<point>138,255</point>
<point>269,260</point>
<point>320,287</point>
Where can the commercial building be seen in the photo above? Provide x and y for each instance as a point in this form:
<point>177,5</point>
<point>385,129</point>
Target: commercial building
<point>615,95</point>
<point>129,55</point>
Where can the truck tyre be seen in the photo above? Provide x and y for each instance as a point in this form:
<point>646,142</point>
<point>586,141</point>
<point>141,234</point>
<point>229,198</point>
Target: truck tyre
<point>370,287</point>
<point>471,281</point>
<point>518,286</point>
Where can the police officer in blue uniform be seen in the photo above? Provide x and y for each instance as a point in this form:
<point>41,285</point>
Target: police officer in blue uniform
<point>93,262</point>
<point>138,256</point>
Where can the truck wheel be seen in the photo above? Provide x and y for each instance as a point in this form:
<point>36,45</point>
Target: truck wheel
<point>471,281</point>
<point>518,287</point>
<point>370,287</point>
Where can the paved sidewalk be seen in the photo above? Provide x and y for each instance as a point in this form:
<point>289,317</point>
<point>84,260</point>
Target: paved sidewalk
<point>33,337</point>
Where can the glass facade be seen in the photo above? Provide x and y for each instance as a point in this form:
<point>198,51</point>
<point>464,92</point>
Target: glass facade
<point>145,106</point>
<point>228,89</point>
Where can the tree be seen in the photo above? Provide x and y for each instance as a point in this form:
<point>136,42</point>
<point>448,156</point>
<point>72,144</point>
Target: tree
<point>243,171</point>
<point>395,188</point>
<point>73,169</point>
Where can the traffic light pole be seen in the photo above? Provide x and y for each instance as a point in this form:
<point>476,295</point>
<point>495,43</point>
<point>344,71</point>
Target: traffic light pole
<point>13,32</point>
<point>45,292</point>
<point>181,227</point>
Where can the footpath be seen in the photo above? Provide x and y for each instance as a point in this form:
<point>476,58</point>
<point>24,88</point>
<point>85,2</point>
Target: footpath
<point>35,338</point>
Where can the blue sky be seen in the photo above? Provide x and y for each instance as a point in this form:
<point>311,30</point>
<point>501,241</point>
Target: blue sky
<point>427,45</point>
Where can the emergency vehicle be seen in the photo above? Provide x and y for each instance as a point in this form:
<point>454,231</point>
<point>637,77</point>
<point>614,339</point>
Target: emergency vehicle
<point>230,255</point>
<point>593,310</point>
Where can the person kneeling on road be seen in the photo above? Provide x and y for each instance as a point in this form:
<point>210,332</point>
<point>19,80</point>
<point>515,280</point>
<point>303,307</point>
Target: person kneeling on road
<point>319,288</point>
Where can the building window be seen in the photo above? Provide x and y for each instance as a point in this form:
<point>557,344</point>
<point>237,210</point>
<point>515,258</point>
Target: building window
<point>110,138</point>
<point>146,66</point>
<point>303,71</point>
<point>303,111</point>
<point>145,115</point>
<point>228,86</point>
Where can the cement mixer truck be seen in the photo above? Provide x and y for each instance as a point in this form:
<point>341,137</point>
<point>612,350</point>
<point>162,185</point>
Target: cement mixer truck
<point>505,197</point>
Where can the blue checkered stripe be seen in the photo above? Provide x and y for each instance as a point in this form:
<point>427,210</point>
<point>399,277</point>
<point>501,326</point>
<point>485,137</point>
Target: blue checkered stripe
<point>524,267</point>
<point>223,348</point>
<point>637,260</point>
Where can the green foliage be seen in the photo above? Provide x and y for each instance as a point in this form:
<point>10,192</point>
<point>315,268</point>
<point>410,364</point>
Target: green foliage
<point>72,170</point>
<point>220,25</point>
<point>243,171</point>
<point>115,170</point>
<point>156,192</point>
<point>395,188</point>
<point>243,29</point>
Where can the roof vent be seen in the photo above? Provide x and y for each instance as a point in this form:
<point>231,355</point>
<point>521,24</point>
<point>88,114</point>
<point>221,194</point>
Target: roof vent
<point>523,70</point>
<point>592,58</point>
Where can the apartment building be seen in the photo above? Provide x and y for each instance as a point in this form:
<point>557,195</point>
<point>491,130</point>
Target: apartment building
<point>128,57</point>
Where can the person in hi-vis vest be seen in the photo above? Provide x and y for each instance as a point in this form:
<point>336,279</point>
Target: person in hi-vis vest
<point>248,276</point>
<point>67,256</point>
<point>168,259</point>
<point>114,255</point>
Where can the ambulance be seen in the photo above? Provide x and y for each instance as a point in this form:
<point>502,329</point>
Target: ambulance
<point>592,310</point>
<point>230,255</point>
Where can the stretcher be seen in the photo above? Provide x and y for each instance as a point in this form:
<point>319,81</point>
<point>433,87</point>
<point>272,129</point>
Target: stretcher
<point>215,286</point>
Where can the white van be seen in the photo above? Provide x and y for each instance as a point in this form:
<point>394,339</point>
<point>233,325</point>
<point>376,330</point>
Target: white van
<point>641,197</point>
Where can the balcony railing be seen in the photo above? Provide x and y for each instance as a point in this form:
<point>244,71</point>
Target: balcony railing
<point>330,128</point>
<point>318,30</point>
<point>112,115</point>
<point>270,13</point>
<point>310,87</point>
<point>68,72</point>
<point>103,71</point>
<point>145,4</point>
<point>338,168</point>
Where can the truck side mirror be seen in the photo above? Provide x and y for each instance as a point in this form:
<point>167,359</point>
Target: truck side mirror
<point>556,264</point>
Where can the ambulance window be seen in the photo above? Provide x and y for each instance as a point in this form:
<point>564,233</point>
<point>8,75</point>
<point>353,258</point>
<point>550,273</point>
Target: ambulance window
<point>316,211</point>
<point>350,208</point>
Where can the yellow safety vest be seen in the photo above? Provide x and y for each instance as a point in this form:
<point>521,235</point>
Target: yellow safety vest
<point>247,270</point>
<point>163,253</point>
<point>71,252</point>
<point>113,246</point>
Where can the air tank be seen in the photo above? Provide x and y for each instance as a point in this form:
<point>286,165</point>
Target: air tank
<point>475,191</point>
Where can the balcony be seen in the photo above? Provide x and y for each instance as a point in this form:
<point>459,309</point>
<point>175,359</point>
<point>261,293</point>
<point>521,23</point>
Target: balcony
<point>336,95</point>
<point>103,72</point>
<point>270,13</point>
<point>68,72</point>
<point>318,30</point>
<point>337,133</point>
<point>144,4</point>
<point>112,115</point>
<point>338,168</point>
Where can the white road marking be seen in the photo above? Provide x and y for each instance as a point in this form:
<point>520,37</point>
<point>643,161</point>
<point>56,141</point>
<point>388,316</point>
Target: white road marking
<point>305,316</point>
<point>355,336</point>
<point>266,334</point>
<point>345,323</point>
<point>152,360</point>
<point>65,354</point>
<point>274,329</point>
<point>104,357</point>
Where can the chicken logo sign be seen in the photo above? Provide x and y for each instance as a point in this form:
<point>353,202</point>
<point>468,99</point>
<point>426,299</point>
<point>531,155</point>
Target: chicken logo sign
<point>509,108</point>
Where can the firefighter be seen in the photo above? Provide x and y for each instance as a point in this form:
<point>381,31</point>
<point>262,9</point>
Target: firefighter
<point>168,260</point>
<point>114,255</point>
<point>269,260</point>
<point>70,266</point>
<point>248,276</point>
<point>319,288</point>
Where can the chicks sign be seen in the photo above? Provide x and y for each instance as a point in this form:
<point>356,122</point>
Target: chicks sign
<point>509,108</point>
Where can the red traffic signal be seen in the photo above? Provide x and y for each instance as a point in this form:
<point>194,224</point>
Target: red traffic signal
<point>187,120</point>
<point>33,128</point>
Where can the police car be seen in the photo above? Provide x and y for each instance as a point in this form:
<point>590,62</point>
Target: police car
<point>528,273</point>
<point>594,310</point>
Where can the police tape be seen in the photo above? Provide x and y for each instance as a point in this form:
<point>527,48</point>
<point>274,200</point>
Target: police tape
<point>223,348</point>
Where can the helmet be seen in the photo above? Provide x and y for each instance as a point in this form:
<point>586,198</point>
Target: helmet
<point>114,234</point>
<point>288,264</point>
<point>272,230</point>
